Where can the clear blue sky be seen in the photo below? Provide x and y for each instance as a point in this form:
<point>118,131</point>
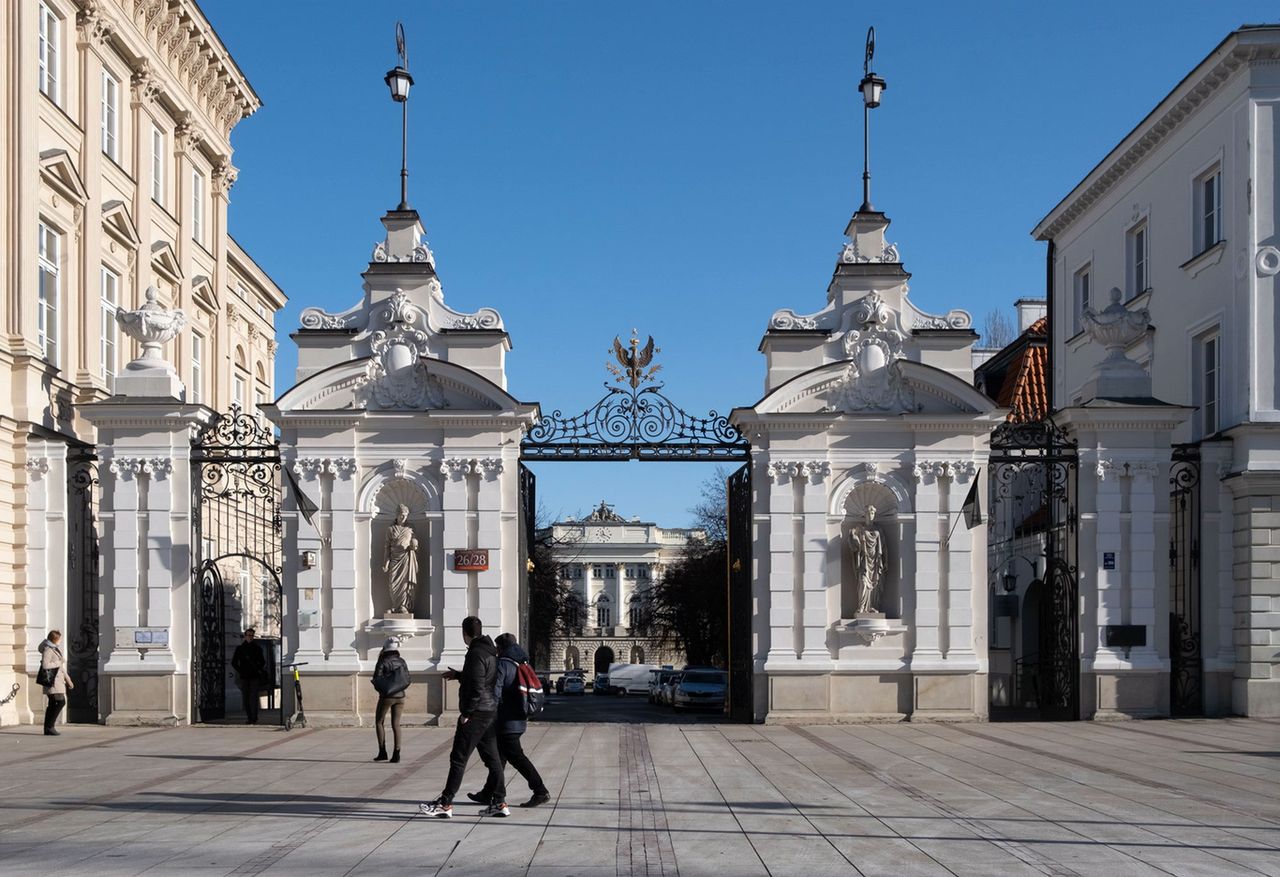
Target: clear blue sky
<point>685,168</point>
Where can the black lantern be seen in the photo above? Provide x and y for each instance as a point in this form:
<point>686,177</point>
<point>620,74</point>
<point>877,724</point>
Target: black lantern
<point>871,86</point>
<point>1010,582</point>
<point>398,80</point>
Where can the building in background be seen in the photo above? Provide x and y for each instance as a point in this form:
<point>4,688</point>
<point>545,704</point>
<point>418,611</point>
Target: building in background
<point>117,168</point>
<point>1180,218</point>
<point>610,562</point>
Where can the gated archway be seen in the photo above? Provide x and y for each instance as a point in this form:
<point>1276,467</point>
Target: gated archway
<point>1032,487</point>
<point>635,420</point>
<point>237,546</point>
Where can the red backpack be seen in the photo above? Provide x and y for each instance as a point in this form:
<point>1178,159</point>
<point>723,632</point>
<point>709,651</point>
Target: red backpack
<point>532,697</point>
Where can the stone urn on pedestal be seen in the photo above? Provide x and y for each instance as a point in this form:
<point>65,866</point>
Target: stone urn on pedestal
<point>152,326</point>
<point>1115,327</point>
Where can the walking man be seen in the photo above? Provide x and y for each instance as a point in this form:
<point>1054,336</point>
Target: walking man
<point>250,665</point>
<point>511,723</point>
<point>477,707</point>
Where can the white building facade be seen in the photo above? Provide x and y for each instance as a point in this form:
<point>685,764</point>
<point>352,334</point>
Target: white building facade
<point>1181,219</point>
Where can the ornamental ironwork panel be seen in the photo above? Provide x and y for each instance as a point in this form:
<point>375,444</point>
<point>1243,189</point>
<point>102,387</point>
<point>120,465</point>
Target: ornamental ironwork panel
<point>238,545</point>
<point>83,591</point>
<point>1032,541</point>
<point>1185,656</point>
<point>741,655</point>
<point>634,421</point>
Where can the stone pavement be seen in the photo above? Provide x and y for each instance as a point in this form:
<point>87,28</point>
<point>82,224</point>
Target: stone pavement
<point>1189,797</point>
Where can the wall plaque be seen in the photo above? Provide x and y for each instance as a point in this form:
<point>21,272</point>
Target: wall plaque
<point>470,559</point>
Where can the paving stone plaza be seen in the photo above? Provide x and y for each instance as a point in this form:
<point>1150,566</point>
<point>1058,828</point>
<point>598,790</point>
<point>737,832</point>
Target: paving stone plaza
<point>1181,797</point>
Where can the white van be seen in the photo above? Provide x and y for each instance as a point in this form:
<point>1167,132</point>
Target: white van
<point>630,678</point>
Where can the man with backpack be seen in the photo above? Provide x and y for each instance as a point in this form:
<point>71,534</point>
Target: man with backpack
<point>519,694</point>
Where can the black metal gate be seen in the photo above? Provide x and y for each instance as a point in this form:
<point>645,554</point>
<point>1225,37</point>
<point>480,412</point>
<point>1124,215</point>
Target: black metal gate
<point>741,654</point>
<point>1032,490</point>
<point>84,606</point>
<point>528,535</point>
<point>1185,656</point>
<point>236,488</point>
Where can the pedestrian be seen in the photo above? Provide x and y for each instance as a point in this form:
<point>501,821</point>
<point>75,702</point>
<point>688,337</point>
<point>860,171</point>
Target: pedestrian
<point>391,678</point>
<point>53,676</point>
<point>250,665</point>
<point>511,723</point>
<point>477,707</point>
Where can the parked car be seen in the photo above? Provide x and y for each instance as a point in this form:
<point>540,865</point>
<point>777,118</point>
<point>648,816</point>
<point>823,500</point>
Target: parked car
<point>560,680</point>
<point>574,684</point>
<point>545,678</point>
<point>700,689</point>
<point>666,693</point>
<point>657,679</point>
<point>601,684</point>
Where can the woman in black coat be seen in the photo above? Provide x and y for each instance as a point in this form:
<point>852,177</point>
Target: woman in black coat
<point>391,678</point>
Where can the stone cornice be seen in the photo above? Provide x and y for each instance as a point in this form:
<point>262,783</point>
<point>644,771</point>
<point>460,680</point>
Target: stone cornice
<point>1239,49</point>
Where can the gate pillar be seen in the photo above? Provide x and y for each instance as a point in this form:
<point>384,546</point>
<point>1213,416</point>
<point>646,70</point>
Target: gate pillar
<point>1125,452</point>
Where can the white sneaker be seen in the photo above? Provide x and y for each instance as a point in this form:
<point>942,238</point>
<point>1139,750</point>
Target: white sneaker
<point>497,809</point>
<point>436,808</point>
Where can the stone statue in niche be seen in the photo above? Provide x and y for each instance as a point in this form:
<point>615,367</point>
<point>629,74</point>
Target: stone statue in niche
<point>400,562</point>
<point>867,545</point>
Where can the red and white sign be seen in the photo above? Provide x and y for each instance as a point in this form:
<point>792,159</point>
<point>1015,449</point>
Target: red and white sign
<point>471,560</point>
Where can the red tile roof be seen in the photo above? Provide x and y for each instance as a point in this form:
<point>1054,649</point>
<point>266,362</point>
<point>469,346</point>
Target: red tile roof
<point>1025,392</point>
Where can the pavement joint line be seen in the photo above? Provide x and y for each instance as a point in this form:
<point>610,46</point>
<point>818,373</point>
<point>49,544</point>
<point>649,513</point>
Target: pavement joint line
<point>555,802</point>
<point>1140,728</point>
<point>1125,775</point>
<point>1015,848</point>
<point>99,745</point>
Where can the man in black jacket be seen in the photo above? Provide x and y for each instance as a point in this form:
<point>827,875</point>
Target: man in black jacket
<point>477,707</point>
<point>511,722</point>
<point>250,665</point>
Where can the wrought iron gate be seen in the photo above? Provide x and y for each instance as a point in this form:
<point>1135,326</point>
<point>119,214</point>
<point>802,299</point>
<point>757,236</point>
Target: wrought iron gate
<point>528,535</point>
<point>236,488</point>
<point>1185,656</point>
<point>1032,487</point>
<point>83,603</point>
<point>741,654</point>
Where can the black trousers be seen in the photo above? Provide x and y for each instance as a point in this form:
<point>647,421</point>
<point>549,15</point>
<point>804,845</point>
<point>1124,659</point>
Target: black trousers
<point>470,735</point>
<point>53,710</point>
<point>251,689</point>
<point>512,753</point>
<point>394,706</point>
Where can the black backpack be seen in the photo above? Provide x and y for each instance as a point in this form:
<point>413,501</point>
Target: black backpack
<point>391,676</point>
<point>532,697</point>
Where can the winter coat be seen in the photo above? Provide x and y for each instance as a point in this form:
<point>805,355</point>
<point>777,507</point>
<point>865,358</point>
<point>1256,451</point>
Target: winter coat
<point>391,664</point>
<point>249,663</point>
<point>51,658</point>
<point>506,688</point>
<point>475,693</point>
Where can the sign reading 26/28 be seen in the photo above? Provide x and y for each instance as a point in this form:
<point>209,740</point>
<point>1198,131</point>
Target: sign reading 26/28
<point>471,560</point>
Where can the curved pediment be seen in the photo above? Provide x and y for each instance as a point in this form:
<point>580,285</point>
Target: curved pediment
<point>429,384</point>
<point>901,386</point>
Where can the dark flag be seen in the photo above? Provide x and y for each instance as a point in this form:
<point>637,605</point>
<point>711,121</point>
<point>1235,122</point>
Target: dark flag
<point>972,507</point>
<point>305,505</point>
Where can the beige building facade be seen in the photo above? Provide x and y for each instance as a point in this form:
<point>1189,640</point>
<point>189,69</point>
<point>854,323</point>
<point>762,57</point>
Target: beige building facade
<point>117,159</point>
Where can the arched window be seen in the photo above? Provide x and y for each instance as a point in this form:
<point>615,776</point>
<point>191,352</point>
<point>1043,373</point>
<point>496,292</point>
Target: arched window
<point>604,612</point>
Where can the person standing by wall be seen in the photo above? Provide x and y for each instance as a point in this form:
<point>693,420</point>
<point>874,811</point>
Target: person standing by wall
<point>511,723</point>
<point>477,707</point>
<point>53,668</point>
<point>250,665</point>
<point>391,679</point>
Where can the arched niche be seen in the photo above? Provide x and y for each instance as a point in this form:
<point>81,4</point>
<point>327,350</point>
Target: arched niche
<point>389,495</point>
<point>572,659</point>
<point>856,496</point>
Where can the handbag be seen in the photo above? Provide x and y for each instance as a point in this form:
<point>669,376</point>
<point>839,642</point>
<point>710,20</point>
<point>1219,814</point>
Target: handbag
<point>46,676</point>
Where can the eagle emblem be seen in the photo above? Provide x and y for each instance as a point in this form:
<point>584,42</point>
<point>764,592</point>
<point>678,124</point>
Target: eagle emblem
<point>633,364</point>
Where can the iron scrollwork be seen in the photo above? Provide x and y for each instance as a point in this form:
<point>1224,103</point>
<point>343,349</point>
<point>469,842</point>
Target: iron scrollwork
<point>1186,657</point>
<point>83,577</point>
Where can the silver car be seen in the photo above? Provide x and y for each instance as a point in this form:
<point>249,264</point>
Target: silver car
<point>700,689</point>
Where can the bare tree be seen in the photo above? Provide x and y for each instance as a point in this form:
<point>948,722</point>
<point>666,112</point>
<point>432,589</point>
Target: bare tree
<point>997,330</point>
<point>554,606</point>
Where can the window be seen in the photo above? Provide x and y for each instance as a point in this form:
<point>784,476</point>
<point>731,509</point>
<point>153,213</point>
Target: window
<point>197,207</point>
<point>109,343</point>
<point>604,614</point>
<point>48,295</point>
<point>1082,283</point>
<point>1210,385</point>
<point>1208,210</point>
<point>157,165</point>
<point>49,53</point>
<point>596,572</point>
<point>197,368</point>
<point>631,572</point>
<point>610,571</point>
<point>259,398</point>
<point>110,116</point>
<point>1139,278</point>
<point>241,392</point>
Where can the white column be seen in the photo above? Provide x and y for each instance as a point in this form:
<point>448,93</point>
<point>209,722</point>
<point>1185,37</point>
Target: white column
<point>781,571</point>
<point>454,533</point>
<point>1141,558</point>
<point>46,592</point>
<point>347,614</point>
<point>960,567</point>
<point>814,613</point>
<point>309,579</point>
<point>928,642</point>
<point>168,516</point>
<point>121,551</point>
<point>1112,608</point>
<point>489,472</point>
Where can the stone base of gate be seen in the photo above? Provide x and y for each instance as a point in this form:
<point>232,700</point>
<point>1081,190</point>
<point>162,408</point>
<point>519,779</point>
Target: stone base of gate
<point>1259,698</point>
<point>349,700</point>
<point>949,697</point>
<point>1134,694</point>
<point>133,699</point>
<point>843,697</point>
